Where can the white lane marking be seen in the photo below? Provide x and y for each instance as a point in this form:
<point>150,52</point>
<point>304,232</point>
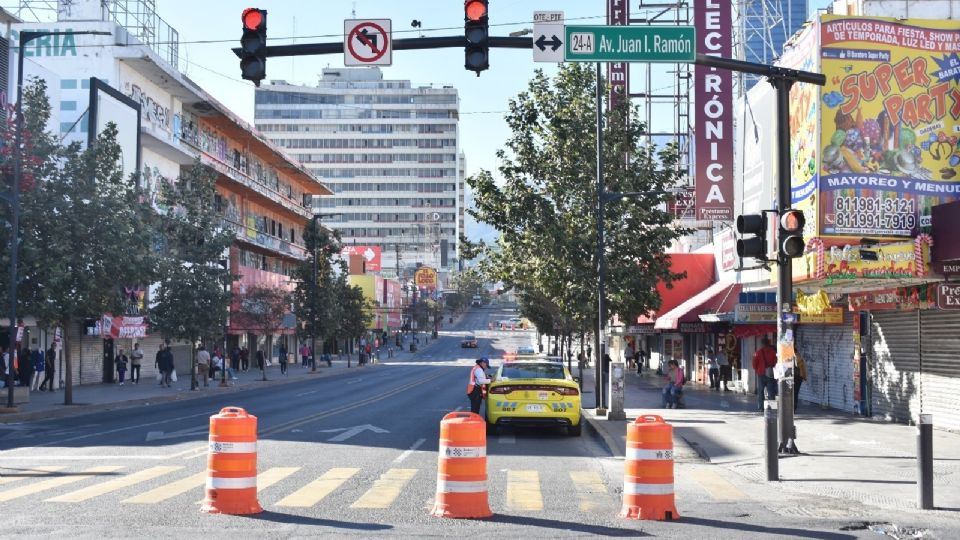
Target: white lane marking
<point>78,458</point>
<point>353,381</point>
<point>406,453</point>
<point>118,430</point>
<point>507,438</point>
<point>307,393</point>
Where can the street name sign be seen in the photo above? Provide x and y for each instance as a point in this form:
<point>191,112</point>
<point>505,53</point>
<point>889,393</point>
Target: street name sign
<point>367,42</point>
<point>548,36</point>
<point>672,44</point>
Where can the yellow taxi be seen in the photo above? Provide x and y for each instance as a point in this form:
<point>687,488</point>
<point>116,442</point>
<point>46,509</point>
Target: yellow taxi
<point>533,392</point>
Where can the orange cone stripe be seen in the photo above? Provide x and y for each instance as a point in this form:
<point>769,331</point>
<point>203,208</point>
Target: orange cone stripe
<point>246,482</point>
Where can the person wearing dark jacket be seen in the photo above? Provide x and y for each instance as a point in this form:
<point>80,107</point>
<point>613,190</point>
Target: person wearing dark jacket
<point>50,367</point>
<point>165,364</point>
<point>36,357</point>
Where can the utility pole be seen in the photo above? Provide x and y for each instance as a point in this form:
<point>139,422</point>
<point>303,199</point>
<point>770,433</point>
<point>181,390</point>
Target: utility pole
<point>601,260</point>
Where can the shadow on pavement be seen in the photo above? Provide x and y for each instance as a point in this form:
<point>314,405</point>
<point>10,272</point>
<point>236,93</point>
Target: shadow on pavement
<point>293,519</point>
<point>857,480</point>
<point>785,532</point>
<point>564,525</point>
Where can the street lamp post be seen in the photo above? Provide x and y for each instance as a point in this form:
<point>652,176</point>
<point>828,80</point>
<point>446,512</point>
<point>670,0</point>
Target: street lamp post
<point>14,197</point>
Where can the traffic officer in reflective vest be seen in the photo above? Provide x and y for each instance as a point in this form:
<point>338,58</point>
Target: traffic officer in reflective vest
<point>476,389</point>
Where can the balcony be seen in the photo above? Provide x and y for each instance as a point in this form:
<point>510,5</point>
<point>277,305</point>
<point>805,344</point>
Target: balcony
<point>242,179</point>
<point>265,241</point>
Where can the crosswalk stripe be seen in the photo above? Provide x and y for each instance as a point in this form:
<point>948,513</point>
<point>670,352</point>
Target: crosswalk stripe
<point>386,489</point>
<point>172,489</point>
<point>590,490</point>
<point>315,491</point>
<point>45,469</point>
<point>717,486</point>
<point>270,477</point>
<point>523,491</point>
<point>56,482</point>
<point>110,486</point>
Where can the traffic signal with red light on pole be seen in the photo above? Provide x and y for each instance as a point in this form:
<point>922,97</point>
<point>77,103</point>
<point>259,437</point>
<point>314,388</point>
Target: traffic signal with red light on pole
<point>476,29</point>
<point>253,45</point>
<point>790,235</point>
<point>753,236</point>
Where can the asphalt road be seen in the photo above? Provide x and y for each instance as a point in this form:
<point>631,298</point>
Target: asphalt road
<point>349,455</point>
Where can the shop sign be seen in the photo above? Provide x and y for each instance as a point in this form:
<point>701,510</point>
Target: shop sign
<point>755,313</point>
<point>694,327</point>
<point>949,269</point>
<point>903,299</point>
<point>641,329</point>
<point>881,261</point>
<point>948,296</point>
<point>728,250</point>
<point>123,327</point>
<point>426,278</point>
<point>830,316</point>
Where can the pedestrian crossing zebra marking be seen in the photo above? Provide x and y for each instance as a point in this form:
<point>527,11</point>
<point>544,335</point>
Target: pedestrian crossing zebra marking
<point>270,477</point>
<point>523,491</point>
<point>168,491</point>
<point>315,491</point>
<point>386,489</point>
<point>31,473</point>
<point>719,488</point>
<point>115,484</point>
<point>590,490</point>
<point>53,483</point>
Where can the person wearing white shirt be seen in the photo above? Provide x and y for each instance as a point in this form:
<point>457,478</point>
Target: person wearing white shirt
<point>477,385</point>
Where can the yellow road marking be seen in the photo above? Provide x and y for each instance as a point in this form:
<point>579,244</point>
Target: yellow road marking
<point>110,486</point>
<point>717,486</point>
<point>523,491</point>
<point>315,491</point>
<point>172,489</point>
<point>53,483</point>
<point>188,451</point>
<point>45,469</point>
<point>386,489</point>
<point>590,490</point>
<point>270,477</point>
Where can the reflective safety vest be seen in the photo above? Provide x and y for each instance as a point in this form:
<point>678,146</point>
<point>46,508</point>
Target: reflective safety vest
<point>473,382</point>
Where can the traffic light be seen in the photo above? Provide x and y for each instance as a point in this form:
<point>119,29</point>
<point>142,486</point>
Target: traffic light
<point>790,235</point>
<point>754,245</point>
<point>253,45</point>
<point>477,31</point>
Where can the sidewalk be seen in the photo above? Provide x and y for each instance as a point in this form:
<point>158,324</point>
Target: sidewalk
<point>99,397</point>
<point>842,456</point>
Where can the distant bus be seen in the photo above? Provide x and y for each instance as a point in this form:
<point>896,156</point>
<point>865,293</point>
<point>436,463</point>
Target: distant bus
<point>477,300</point>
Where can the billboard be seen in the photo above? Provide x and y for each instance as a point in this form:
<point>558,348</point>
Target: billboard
<point>107,105</point>
<point>371,256</point>
<point>713,95</point>
<point>890,123</point>
<point>425,279</point>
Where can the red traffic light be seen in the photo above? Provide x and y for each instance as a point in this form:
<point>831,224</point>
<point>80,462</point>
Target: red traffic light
<point>792,220</point>
<point>252,18</point>
<point>475,10</point>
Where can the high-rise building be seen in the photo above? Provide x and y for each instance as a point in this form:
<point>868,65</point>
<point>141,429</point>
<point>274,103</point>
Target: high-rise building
<point>389,152</point>
<point>765,25</point>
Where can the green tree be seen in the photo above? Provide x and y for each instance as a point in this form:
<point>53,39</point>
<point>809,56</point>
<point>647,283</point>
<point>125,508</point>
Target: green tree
<point>318,310</point>
<point>192,299</point>
<point>85,231</point>
<point>263,309</point>
<point>355,314</point>
<point>544,209</point>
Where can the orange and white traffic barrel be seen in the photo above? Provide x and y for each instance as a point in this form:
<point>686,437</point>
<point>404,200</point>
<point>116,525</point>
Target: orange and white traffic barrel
<point>462,467</point>
<point>232,464</point>
<point>648,471</point>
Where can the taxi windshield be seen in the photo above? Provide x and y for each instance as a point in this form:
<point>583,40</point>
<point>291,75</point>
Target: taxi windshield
<point>531,371</point>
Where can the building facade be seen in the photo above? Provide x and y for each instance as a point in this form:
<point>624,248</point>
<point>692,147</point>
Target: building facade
<point>389,152</point>
<point>765,26</point>
<point>166,124</point>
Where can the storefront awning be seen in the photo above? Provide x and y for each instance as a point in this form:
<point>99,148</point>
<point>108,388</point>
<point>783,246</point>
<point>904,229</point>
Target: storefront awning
<point>720,297</point>
<point>699,270</point>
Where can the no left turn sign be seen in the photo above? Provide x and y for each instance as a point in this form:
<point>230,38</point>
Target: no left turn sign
<point>367,42</point>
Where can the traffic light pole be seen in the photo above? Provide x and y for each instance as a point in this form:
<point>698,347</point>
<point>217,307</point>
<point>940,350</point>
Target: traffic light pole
<point>599,341</point>
<point>406,44</point>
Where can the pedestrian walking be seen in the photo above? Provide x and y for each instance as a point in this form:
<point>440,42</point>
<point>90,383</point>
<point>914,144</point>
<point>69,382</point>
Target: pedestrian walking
<point>764,361</point>
<point>724,364</point>
<point>304,354</point>
<point>121,361</point>
<point>25,366</point>
<point>260,359</point>
<point>203,365</point>
<point>136,358</point>
<point>713,369</point>
<point>49,368</point>
<point>165,364</point>
<point>799,375</point>
<point>36,357</point>
<point>235,358</point>
<point>244,359</point>
<point>674,385</point>
<point>477,386</point>
<point>283,360</point>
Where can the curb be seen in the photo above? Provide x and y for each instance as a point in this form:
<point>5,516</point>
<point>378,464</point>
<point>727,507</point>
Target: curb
<point>608,440</point>
<point>77,409</point>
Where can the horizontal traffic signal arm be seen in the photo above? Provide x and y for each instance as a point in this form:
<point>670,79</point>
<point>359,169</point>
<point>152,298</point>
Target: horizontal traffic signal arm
<point>406,44</point>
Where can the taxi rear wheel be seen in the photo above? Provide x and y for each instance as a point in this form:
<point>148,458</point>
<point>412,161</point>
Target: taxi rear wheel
<point>575,431</point>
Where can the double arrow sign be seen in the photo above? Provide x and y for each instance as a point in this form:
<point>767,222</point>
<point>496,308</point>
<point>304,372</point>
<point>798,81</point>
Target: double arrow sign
<point>542,43</point>
<point>547,25</point>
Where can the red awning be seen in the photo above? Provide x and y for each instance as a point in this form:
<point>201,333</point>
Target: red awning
<point>699,269</point>
<point>720,297</point>
<point>750,330</point>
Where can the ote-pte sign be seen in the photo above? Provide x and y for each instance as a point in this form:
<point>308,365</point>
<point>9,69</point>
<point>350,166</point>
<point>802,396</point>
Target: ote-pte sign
<point>367,42</point>
<point>673,44</point>
<point>548,36</point>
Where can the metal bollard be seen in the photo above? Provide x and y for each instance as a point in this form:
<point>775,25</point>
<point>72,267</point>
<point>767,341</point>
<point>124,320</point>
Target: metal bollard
<point>770,440</point>
<point>925,462</point>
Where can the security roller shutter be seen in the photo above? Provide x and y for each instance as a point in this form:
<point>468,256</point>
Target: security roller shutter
<point>895,365</point>
<point>828,352</point>
<point>940,367</point>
